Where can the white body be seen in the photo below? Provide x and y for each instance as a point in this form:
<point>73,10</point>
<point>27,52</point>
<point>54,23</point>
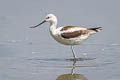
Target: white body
<point>56,34</point>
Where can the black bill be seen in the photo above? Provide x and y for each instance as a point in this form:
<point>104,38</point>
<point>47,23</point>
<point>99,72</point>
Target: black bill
<point>38,24</point>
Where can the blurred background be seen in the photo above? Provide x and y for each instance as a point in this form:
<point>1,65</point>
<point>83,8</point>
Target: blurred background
<point>29,54</point>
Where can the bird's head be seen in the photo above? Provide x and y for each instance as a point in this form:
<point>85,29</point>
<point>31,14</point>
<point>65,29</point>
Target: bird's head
<point>50,18</point>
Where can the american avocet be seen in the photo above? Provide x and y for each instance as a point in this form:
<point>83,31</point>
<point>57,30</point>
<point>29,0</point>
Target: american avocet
<point>68,35</point>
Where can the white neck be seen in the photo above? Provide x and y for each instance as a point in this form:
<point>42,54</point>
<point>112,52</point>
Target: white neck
<point>53,26</point>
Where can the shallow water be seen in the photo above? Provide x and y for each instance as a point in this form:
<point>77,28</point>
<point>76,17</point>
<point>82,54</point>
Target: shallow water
<point>18,63</point>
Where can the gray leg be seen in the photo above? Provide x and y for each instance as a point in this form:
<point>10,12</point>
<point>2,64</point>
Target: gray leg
<point>73,52</point>
<point>73,67</point>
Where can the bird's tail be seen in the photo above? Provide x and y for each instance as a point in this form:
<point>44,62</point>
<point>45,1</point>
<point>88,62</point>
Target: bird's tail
<point>94,30</point>
<point>97,29</point>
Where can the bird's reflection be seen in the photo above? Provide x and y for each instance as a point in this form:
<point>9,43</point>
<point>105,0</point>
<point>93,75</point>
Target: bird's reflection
<point>72,75</point>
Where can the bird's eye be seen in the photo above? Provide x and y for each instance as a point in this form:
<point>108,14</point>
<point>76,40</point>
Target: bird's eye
<point>47,17</point>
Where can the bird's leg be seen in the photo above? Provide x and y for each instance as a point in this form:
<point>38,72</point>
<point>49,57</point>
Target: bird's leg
<point>73,53</point>
<point>73,67</point>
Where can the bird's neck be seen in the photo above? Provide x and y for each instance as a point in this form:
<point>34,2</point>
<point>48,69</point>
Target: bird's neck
<point>53,27</point>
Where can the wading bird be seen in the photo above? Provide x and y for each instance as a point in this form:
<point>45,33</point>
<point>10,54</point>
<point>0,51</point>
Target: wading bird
<point>68,35</point>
